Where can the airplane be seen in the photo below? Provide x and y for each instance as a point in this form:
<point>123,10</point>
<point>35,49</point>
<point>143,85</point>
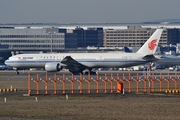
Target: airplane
<point>76,63</point>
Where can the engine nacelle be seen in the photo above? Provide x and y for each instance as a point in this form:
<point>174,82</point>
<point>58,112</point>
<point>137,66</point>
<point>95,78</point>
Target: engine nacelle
<point>52,67</point>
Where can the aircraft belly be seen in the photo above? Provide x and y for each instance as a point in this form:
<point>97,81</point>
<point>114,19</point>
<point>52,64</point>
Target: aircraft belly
<point>111,64</point>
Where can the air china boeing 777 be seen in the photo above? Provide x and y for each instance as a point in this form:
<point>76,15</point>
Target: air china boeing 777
<point>77,62</point>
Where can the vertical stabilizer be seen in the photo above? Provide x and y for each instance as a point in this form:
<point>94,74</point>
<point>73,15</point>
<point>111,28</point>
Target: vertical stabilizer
<point>151,44</point>
<point>127,50</point>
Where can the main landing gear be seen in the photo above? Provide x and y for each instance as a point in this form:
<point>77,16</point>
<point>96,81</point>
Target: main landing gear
<point>17,72</point>
<point>91,72</point>
<point>81,72</point>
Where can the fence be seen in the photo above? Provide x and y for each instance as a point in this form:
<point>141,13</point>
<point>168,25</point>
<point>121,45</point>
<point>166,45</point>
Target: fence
<point>114,83</point>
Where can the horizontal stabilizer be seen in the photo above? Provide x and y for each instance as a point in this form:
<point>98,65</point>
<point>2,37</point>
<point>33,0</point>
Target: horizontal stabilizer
<point>150,58</point>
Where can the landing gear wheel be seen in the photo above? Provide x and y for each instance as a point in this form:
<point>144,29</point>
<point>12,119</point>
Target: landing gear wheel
<point>86,73</point>
<point>17,73</point>
<point>93,73</point>
<point>75,73</point>
<point>81,72</point>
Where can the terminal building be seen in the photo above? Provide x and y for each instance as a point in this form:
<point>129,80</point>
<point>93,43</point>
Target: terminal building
<point>89,37</point>
<point>173,36</point>
<point>58,39</point>
<point>36,39</point>
<point>133,36</point>
<point>50,39</point>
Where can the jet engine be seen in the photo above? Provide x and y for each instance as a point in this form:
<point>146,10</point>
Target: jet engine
<point>52,67</point>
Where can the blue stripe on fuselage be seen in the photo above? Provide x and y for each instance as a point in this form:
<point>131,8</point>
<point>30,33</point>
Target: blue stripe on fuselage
<point>31,61</point>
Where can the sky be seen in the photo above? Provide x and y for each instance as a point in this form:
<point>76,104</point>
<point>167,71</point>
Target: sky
<point>87,11</point>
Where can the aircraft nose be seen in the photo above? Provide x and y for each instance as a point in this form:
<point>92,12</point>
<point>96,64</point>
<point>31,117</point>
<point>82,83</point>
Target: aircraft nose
<point>6,62</point>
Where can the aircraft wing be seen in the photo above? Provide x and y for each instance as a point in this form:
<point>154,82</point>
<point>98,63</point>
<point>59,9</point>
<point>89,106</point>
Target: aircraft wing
<point>70,62</point>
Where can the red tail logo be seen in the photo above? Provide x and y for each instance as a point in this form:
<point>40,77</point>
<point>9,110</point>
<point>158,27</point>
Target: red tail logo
<point>152,44</point>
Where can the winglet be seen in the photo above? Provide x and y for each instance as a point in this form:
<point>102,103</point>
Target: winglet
<point>151,44</point>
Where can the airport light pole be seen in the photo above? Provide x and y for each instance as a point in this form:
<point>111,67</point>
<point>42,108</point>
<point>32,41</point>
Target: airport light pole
<point>51,41</point>
<point>51,33</point>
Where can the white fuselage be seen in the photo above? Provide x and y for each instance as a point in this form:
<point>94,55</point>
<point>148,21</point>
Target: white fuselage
<point>91,60</point>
